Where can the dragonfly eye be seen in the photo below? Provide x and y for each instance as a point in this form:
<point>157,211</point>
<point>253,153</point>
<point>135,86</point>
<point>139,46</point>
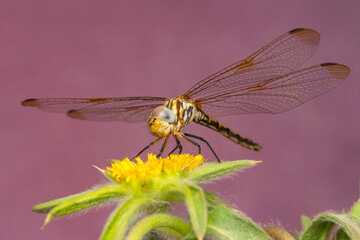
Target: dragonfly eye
<point>164,114</point>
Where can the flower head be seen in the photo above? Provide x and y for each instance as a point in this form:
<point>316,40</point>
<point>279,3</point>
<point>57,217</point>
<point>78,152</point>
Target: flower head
<point>147,190</point>
<point>128,171</point>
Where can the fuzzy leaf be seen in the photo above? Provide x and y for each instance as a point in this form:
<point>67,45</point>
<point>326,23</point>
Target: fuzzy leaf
<point>46,207</point>
<point>209,171</point>
<point>120,219</point>
<point>156,221</point>
<point>356,209</point>
<point>196,204</point>
<point>80,201</point>
<point>212,199</point>
<point>190,236</point>
<point>305,222</point>
<point>224,224</point>
<point>278,234</point>
<point>341,235</point>
<point>321,227</point>
<point>195,201</point>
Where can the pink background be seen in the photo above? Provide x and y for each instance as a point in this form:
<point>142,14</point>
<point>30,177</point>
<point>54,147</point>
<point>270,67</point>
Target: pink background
<point>161,48</point>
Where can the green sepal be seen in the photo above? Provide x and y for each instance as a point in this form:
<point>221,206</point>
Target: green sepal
<point>278,233</point>
<point>106,174</point>
<point>113,160</point>
<point>320,228</point>
<point>213,170</point>
<point>104,192</point>
<point>224,224</point>
<point>121,218</point>
<point>158,221</point>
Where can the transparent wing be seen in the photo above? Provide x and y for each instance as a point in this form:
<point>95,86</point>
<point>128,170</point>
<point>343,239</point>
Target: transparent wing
<point>277,58</point>
<point>128,109</point>
<point>278,94</point>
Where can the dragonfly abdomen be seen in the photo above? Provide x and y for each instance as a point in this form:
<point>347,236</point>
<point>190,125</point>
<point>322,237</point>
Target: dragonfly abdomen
<point>207,121</point>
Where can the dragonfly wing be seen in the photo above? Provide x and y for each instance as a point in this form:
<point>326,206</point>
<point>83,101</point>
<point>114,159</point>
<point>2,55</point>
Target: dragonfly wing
<point>277,58</point>
<point>278,94</point>
<point>128,109</point>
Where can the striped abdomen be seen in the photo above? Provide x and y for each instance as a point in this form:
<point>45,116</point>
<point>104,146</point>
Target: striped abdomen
<point>205,120</point>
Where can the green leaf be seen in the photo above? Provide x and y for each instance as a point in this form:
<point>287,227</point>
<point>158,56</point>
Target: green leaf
<point>46,207</point>
<point>80,201</point>
<point>196,203</point>
<point>341,235</point>
<point>122,217</point>
<point>224,224</point>
<point>209,171</point>
<point>156,221</point>
<point>305,222</point>
<point>321,227</point>
<point>190,236</point>
<point>213,199</point>
<point>356,209</point>
<point>278,234</point>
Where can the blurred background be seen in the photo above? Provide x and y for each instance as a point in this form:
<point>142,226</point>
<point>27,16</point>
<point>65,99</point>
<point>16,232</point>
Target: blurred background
<point>161,48</point>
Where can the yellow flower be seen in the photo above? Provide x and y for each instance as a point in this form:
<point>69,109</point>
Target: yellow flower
<point>144,193</point>
<point>154,167</point>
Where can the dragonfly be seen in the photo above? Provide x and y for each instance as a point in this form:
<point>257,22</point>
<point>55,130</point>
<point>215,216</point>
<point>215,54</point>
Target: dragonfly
<point>265,82</point>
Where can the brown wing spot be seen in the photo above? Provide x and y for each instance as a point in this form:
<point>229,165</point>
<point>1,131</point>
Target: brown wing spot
<point>75,114</point>
<point>308,36</point>
<point>30,102</point>
<point>338,70</point>
<point>97,100</point>
<point>245,64</point>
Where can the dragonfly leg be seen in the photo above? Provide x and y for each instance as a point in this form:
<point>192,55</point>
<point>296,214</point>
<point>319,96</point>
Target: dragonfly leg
<point>203,140</point>
<point>163,146</point>
<point>152,143</point>
<point>182,135</point>
<point>178,146</point>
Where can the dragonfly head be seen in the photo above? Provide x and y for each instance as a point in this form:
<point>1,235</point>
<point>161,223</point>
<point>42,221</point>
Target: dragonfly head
<point>160,120</point>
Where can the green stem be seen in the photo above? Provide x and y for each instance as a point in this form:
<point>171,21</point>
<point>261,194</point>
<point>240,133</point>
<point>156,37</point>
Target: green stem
<point>156,221</point>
